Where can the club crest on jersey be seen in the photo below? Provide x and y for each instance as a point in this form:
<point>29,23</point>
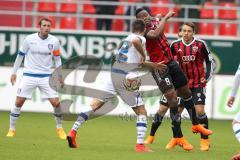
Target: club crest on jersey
<point>199,94</point>
<point>195,49</point>
<point>50,47</point>
<point>19,90</point>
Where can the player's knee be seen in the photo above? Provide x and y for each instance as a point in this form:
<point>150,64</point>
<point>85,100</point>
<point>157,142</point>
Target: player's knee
<point>185,92</point>
<point>142,111</point>
<point>172,98</point>
<point>162,110</point>
<point>19,102</point>
<point>55,103</point>
<point>200,112</point>
<point>96,104</point>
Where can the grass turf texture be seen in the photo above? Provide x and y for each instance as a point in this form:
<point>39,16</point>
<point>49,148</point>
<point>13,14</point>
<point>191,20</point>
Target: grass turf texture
<point>106,138</point>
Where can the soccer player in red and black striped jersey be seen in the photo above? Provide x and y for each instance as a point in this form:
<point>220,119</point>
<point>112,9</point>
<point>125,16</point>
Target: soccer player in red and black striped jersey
<point>159,50</point>
<point>192,53</point>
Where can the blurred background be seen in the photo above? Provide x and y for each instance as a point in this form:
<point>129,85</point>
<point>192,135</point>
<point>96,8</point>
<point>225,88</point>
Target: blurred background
<point>86,27</point>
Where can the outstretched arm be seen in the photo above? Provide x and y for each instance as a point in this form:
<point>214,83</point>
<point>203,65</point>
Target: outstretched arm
<point>153,34</point>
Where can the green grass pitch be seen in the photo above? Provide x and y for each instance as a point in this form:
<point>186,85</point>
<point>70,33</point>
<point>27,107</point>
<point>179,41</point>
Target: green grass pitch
<point>106,138</point>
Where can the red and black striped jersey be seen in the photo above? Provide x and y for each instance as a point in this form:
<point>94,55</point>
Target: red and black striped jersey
<point>158,49</point>
<point>191,58</point>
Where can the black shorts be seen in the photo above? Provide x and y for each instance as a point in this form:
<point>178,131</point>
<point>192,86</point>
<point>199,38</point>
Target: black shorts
<point>174,77</point>
<point>198,94</point>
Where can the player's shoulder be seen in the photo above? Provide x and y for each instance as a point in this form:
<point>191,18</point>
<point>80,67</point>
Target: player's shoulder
<point>31,36</point>
<point>200,41</point>
<point>136,36</point>
<point>176,41</point>
<point>52,37</point>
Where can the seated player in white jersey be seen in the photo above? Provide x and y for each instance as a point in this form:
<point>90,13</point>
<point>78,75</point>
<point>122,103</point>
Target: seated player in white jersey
<point>38,51</point>
<point>131,53</point>
<point>231,100</point>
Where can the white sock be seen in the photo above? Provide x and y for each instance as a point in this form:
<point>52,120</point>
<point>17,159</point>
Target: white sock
<point>141,128</point>
<point>14,114</point>
<point>58,116</point>
<point>82,117</point>
<point>236,130</point>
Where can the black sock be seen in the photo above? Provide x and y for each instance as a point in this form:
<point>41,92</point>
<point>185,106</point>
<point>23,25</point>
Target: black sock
<point>203,119</point>
<point>157,120</point>
<point>176,122</point>
<point>189,105</point>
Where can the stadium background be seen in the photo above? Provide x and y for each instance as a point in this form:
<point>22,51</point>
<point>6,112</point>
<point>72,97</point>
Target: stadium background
<point>74,23</point>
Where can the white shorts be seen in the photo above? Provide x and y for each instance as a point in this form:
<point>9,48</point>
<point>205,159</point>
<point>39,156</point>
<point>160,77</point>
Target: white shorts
<point>237,117</point>
<point>29,84</point>
<point>132,98</point>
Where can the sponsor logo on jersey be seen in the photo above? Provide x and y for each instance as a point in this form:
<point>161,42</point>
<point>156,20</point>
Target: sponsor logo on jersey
<point>189,58</point>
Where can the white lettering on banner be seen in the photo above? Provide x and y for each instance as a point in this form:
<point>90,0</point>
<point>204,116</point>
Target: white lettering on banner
<point>95,46</point>
<point>73,44</point>
<point>21,38</point>
<point>63,42</point>
<point>13,44</point>
<point>110,47</point>
<point>2,43</point>
<point>82,45</point>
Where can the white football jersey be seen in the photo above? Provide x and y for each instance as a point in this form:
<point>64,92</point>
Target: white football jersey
<point>127,52</point>
<point>39,53</point>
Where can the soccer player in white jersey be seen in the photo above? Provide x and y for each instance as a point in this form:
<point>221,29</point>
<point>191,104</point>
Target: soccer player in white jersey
<point>38,51</point>
<point>230,102</point>
<point>131,52</point>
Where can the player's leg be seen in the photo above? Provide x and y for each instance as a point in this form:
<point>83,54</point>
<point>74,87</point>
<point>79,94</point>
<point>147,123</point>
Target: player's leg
<point>47,92</point>
<point>181,84</point>
<point>236,126</point>
<point>58,115</point>
<point>14,115</point>
<point>27,85</point>
<point>141,125</point>
<point>236,130</point>
<point>165,84</point>
<point>199,100</point>
<point>96,104</point>
<point>82,117</point>
<point>157,120</point>
<point>178,138</point>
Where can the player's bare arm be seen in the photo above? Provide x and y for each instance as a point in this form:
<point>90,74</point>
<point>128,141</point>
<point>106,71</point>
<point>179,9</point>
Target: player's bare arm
<point>138,45</point>
<point>159,66</point>
<point>153,34</point>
